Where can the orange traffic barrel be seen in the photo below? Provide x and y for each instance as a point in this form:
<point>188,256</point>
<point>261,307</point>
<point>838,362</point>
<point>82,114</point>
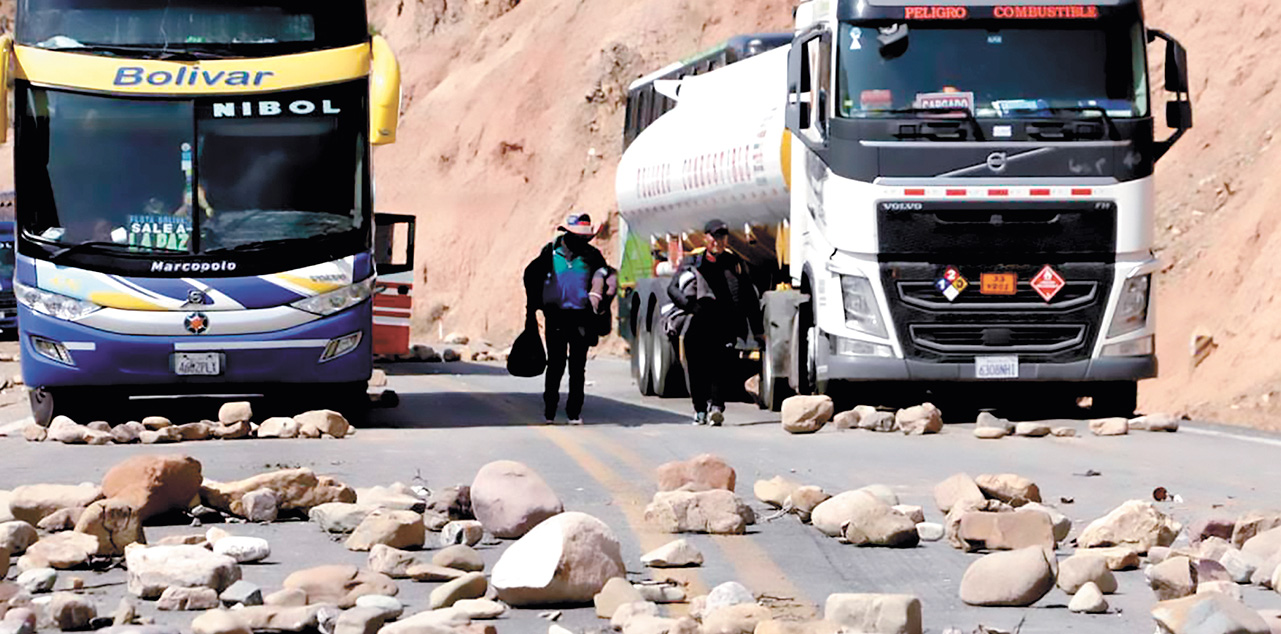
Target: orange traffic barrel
<point>393,306</point>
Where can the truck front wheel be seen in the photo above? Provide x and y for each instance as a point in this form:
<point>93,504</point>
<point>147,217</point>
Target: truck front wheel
<point>773,389</point>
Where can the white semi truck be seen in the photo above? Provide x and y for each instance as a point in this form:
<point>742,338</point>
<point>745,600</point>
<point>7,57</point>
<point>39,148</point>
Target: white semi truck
<point>949,194</point>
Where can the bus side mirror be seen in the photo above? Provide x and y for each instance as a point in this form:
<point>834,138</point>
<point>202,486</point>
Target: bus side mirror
<point>6,52</point>
<point>393,243</point>
<point>384,93</point>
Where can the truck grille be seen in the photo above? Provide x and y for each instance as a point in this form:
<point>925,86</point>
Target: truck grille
<point>932,329</point>
<point>8,302</point>
<point>952,338</point>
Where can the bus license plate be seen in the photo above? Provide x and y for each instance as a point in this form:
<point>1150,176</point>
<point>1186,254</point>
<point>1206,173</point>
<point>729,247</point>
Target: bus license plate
<point>197,363</point>
<point>996,367</point>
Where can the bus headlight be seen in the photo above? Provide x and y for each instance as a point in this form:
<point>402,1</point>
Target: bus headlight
<point>861,312</point>
<point>53,304</point>
<point>1132,309</point>
<point>334,301</point>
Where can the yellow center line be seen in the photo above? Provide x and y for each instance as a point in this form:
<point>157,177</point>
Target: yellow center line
<point>630,499</point>
<point>756,569</point>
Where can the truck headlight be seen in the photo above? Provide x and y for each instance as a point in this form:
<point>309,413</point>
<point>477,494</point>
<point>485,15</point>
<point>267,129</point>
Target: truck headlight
<point>861,312</point>
<point>1132,308</point>
<point>53,304</point>
<point>334,301</point>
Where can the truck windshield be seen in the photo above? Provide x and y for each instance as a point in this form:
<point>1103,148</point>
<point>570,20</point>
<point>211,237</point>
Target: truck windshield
<point>181,177</point>
<point>292,24</point>
<point>995,72</point>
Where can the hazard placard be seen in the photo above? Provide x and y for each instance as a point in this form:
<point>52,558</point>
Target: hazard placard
<point>1048,283</point>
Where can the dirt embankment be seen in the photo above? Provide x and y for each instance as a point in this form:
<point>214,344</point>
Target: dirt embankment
<point>513,114</point>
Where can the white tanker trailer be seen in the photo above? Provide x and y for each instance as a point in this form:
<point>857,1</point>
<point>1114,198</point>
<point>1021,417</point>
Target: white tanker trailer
<point>927,194</point>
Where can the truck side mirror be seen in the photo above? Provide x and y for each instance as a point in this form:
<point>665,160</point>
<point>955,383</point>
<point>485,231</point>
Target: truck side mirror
<point>1176,67</point>
<point>1178,113</point>
<point>384,92</point>
<point>798,87</point>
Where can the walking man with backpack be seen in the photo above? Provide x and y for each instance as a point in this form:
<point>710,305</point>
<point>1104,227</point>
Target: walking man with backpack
<point>565,281</point>
<point>714,287</point>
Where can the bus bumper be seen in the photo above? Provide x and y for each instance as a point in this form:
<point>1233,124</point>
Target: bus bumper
<point>286,357</point>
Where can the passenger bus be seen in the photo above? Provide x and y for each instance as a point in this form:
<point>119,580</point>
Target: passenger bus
<point>195,210</point>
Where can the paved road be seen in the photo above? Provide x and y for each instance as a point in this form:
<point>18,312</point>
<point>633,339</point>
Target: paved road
<point>453,418</point>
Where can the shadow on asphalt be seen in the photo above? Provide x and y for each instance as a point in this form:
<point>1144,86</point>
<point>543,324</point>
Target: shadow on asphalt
<point>416,368</point>
<point>444,410</point>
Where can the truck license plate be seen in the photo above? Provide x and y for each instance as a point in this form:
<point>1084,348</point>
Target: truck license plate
<point>197,363</point>
<point>997,283</point>
<point>996,367</point>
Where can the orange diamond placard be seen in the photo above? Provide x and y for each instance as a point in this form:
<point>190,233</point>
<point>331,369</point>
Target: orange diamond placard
<point>1048,283</point>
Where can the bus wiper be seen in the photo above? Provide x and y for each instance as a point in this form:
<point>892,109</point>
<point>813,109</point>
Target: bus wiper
<point>263,245</point>
<point>969,117</point>
<point>94,245</point>
<point>150,50</point>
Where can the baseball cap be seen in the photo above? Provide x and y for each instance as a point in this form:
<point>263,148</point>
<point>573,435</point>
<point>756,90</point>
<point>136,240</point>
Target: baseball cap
<point>714,226</point>
<point>580,224</point>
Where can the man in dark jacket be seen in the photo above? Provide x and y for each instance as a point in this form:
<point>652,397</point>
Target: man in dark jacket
<point>725,307</point>
<point>559,282</point>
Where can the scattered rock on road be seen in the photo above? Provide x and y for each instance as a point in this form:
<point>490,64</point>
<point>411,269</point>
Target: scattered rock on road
<point>890,613</point>
<point>804,500</point>
<point>1135,522</point>
<point>775,491</point>
<point>339,517</point>
<point>955,489</point>
<point>675,554</point>
<point>716,511</point>
<point>920,419</point>
<point>1088,600</point>
<point>509,499</point>
<point>1078,570</point>
<point>243,550</point>
<point>1010,488</point>
<point>1172,579</point>
<point>69,611</point>
<point>187,599</point>
<point>806,414</point>
<point>1009,578</point>
<point>1109,426</point>
<point>1208,612</point>
<point>1006,531</point>
<point>154,569</point>
<point>398,529</point>
<point>459,557</point>
<point>465,532</point>
<point>154,484</point>
<point>340,585</point>
<point>114,523</point>
<point>62,551</point>
<point>700,473</point>
<point>32,503</point>
<point>1155,422</point>
<point>297,489</point>
<point>565,560</point>
<point>616,592</point>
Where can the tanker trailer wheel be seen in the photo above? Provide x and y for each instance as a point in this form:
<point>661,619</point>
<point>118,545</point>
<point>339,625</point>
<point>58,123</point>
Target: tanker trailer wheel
<point>644,369</point>
<point>667,374</point>
<point>773,389</point>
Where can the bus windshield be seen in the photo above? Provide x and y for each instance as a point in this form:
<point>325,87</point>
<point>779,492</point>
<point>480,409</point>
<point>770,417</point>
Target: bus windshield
<point>993,72</point>
<point>186,177</point>
<point>294,25</point>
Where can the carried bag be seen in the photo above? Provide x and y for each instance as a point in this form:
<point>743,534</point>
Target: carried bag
<point>527,358</point>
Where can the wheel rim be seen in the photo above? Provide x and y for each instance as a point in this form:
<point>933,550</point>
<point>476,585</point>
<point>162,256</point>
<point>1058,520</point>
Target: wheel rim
<point>642,359</point>
<point>656,358</point>
<point>767,376</point>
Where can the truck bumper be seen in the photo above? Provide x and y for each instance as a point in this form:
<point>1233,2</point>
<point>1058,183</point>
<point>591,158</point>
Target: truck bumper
<point>843,368</point>
<point>286,357</point>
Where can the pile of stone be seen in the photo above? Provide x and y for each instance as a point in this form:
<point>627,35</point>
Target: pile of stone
<point>808,414</point>
<point>697,496</point>
<point>870,516</point>
<point>234,422</point>
<point>1122,426</point>
<point>456,348</point>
